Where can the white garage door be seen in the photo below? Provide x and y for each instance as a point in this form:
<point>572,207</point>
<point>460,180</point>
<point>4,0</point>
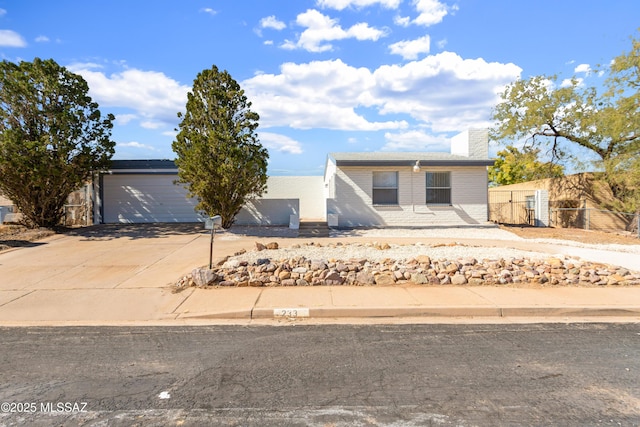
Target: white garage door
<point>135,198</point>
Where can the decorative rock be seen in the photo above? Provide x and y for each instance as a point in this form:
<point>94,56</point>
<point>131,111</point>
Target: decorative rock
<point>451,268</point>
<point>232,263</point>
<point>615,279</point>
<point>296,270</point>
<point>318,265</point>
<point>385,279</point>
<point>272,245</point>
<point>458,279</point>
<point>423,259</point>
<point>419,278</point>
<point>203,276</point>
<point>365,278</point>
<point>333,279</point>
<point>284,275</point>
<point>433,280</point>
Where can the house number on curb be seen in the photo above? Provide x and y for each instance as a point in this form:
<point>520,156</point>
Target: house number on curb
<point>291,312</point>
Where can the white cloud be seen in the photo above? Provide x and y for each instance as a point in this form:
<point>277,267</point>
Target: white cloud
<point>583,68</point>
<point>154,96</point>
<point>277,142</point>
<point>273,23</point>
<point>402,21</point>
<point>10,38</point>
<point>123,119</point>
<point>134,144</point>
<point>150,124</point>
<point>3,12</point>
<point>321,29</point>
<point>411,49</point>
<point>343,4</point>
<point>430,12</point>
<point>320,94</point>
<point>415,140</point>
<point>442,92</point>
<point>209,11</point>
<point>42,39</point>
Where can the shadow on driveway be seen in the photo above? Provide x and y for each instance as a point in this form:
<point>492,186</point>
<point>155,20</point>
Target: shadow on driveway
<point>162,230</point>
<point>134,231</point>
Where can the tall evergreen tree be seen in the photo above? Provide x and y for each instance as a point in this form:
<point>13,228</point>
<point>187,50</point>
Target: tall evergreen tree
<point>219,156</point>
<point>52,137</point>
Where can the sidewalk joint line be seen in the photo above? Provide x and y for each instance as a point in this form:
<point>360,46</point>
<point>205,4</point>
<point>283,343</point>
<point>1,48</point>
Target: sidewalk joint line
<point>183,301</point>
<point>20,297</point>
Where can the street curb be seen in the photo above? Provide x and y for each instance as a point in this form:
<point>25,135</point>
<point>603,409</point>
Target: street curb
<point>571,311</point>
<point>400,312</point>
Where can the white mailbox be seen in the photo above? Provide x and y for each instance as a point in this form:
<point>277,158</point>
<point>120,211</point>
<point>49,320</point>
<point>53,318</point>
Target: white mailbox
<point>213,222</point>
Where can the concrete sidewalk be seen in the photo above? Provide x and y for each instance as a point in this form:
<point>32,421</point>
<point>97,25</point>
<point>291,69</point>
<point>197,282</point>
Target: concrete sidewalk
<point>125,276</point>
<point>412,301</point>
<point>242,305</point>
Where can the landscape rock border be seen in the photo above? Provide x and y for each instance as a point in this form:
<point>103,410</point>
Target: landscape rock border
<point>299,270</point>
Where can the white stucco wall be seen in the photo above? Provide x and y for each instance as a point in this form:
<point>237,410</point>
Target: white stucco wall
<point>267,212</point>
<point>309,190</point>
<point>353,198</point>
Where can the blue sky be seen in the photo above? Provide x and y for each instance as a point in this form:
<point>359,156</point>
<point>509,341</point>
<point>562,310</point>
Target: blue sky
<point>324,75</point>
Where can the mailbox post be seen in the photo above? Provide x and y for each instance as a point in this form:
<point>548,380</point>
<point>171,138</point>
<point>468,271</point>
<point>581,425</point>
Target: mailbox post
<point>211,224</point>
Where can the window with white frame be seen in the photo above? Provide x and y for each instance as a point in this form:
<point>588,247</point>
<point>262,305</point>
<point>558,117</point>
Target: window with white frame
<point>385,188</point>
<point>438,188</point>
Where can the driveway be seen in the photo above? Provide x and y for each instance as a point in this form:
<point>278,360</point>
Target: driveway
<point>115,266</point>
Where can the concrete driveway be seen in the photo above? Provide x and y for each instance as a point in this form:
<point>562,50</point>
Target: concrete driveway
<point>103,272</point>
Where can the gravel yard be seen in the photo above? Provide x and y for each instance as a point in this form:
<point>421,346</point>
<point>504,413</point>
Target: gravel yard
<point>379,252</point>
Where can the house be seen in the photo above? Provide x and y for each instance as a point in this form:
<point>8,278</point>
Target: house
<point>145,191</point>
<point>357,190</point>
<point>410,189</point>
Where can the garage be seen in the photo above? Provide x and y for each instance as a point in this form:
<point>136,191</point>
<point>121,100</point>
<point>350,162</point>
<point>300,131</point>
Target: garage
<point>143,191</point>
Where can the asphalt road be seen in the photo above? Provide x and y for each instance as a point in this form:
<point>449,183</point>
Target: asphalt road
<point>330,375</point>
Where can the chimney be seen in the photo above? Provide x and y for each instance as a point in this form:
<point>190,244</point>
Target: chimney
<point>472,143</point>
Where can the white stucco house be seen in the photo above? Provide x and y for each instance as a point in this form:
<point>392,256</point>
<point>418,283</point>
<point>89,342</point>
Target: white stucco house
<point>410,189</point>
<point>374,189</point>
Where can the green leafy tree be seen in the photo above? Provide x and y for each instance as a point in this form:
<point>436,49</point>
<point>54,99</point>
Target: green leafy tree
<point>562,116</point>
<point>623,174</point>
<point>219,157</point>
<point>52,137</point>
<point>514,166</point>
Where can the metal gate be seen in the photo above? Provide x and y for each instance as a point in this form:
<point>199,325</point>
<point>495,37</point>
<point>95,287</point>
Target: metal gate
<point>512,207</point>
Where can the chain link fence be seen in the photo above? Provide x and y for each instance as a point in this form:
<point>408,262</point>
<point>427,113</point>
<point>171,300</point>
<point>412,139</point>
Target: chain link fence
<point>596,219</point>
